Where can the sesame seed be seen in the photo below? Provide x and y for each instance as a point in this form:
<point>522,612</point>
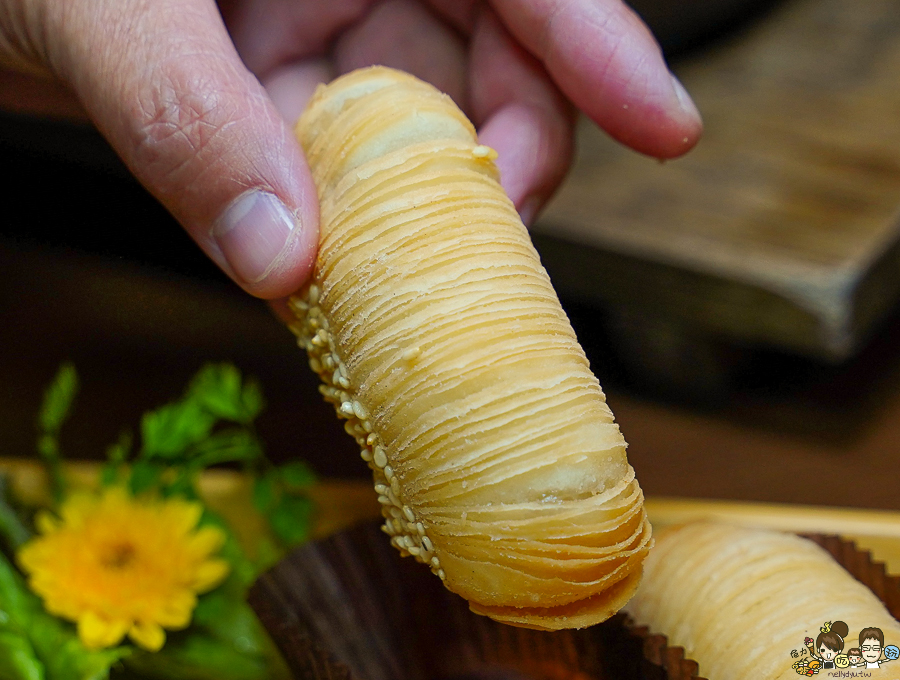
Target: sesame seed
<point>359,410</point>
<point>409,513</point>
<point>380,457</point>
<point>411,353</point>
<point>482,151</point>
<point>427,544</point>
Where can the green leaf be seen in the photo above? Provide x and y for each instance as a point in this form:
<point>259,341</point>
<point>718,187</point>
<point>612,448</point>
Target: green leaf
<point>116,455</point>
<point>145,475</point>
<point>225,447</point>
<point>196,656</point>
<point>119,452</point>
<point>58,399</point>
<point>13,530</point>
<point>297,474</point>
<point>17,658</point>
<point>169,431</point>
<point>219,389</point>
<point>291,519</point>
<point>265,493</point>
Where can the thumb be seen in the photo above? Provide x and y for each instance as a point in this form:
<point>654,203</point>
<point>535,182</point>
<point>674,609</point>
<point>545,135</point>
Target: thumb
<point>163,82</point>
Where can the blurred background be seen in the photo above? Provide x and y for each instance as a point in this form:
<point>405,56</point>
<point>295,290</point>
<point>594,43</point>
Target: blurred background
<point>739,306</point>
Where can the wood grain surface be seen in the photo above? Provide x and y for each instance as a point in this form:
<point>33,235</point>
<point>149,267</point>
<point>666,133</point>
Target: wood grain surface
<point>781,226</point>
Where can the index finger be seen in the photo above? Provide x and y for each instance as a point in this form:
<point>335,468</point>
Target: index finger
<point>606,61</point>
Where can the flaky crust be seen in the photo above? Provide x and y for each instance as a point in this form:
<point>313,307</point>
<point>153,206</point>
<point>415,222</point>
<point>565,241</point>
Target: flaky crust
<point>740,600</point>
<point>439,337</point>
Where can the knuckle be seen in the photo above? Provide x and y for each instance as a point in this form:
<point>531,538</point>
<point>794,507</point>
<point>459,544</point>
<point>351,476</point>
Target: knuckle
<point>183,125</point>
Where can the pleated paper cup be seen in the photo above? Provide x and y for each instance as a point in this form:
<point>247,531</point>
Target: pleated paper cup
<point>350,608</point>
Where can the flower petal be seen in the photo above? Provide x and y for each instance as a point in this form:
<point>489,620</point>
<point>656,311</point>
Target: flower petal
<point>148,635</point>
<point>206,540</point>
<point>97,633</point>
<point>46,523</point>
<point>209,574</point>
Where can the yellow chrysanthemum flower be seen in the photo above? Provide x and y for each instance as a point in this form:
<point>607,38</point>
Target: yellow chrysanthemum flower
<point>117,564</point>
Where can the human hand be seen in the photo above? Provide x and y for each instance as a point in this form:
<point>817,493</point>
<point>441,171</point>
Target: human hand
<point>197,98</point>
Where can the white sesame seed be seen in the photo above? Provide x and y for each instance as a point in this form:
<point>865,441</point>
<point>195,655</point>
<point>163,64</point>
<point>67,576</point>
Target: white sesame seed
<point>381,489</point>
<point>359,410</point>
<point>347,408</point>
<point>370,440</point>
<point>388,472</point>
<point>482,151</point>
<point>409,513</point>
<point>420,528</point>
<point>427,544</point>
<point>379,456</point>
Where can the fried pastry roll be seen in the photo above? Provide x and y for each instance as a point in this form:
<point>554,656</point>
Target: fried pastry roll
<point>439,338</point>
<point>741,600</point>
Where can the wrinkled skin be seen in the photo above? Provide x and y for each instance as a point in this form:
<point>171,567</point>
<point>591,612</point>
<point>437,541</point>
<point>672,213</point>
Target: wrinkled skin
<point>198,98</point>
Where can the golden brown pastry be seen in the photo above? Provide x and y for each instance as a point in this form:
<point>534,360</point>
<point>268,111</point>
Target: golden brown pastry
<point>741,600</point>
<point>439,338</point>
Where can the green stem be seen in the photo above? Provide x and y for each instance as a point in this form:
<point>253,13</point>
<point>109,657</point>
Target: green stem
<point>12,528</point>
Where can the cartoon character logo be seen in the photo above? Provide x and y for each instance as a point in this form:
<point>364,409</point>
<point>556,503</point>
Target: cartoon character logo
<point>830,642</point>
<point>827,650</point>
<point>871,643</point>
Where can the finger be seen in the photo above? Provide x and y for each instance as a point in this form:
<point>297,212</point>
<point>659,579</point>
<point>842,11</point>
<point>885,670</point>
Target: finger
<point>521,115</point>
<point>162,81</point>
<point>291,86</point>
<point>461,14</point>
<point>404,34</point>
<point>606,61</point>
<point>270,33</point>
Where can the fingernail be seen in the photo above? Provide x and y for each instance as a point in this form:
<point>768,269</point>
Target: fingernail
<point>252,233</point>
<point>684,99</point>
<point>529,209</point>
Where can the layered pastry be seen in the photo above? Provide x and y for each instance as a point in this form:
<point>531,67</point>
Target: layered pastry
<point>439,338</point>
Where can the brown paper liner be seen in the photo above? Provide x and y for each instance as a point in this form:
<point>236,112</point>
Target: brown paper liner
<point>350,608</point>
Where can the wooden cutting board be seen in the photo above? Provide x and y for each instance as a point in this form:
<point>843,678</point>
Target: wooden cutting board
<point>781,227</point>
